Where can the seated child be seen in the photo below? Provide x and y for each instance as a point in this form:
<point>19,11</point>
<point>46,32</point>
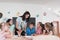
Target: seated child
<point>39,28</point>
<point>5,28</point>
<point>48,29</point>
<point>3,33</point>
<point>30,31</point>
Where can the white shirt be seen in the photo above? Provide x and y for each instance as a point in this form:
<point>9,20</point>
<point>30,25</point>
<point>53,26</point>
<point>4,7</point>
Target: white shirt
<point>21,22</point>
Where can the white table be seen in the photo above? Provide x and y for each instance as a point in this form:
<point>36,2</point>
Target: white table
<point>40,37</point>
<point>46,37</point>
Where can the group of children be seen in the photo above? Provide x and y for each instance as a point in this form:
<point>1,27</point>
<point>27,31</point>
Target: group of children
<point>31,30</point>
<point>45,29</point>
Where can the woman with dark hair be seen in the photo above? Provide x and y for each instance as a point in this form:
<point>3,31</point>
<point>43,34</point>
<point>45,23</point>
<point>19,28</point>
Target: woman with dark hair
<point>21,23</point>
<point>26,16</point>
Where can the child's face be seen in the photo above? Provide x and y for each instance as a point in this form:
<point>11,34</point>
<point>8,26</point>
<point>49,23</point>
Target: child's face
<point>31,26</point>
<point>38,25</point>
<point>46,27</point>
<point>10,22</point>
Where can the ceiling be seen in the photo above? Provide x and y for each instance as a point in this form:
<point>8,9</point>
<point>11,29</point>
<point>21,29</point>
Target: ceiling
<point>34,1</point>
<point>49,3</point>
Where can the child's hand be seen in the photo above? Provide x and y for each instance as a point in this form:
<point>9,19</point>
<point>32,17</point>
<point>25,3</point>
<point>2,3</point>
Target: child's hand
<point>44,32</point>
<point>50,33</point>
<point>7,35</point>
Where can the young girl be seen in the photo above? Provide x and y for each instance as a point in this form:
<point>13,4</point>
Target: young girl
<point>39,28</point>
<point>48,29</point>
<point>5,28</point>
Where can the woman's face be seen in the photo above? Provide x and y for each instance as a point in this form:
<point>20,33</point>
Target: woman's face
<point>27,15</point>
<point>10,22</point>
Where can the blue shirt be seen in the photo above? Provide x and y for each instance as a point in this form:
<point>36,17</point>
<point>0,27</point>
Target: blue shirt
<point>29,31</point>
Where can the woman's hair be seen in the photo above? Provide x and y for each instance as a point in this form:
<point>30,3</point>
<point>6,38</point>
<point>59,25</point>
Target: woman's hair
<point>23,16</point>
<point>8,20</point>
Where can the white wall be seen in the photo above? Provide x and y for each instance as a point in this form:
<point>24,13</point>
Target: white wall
<point>34,9</point>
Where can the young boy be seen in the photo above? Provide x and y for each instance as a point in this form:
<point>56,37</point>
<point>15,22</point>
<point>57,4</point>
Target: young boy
<point>30,31</point>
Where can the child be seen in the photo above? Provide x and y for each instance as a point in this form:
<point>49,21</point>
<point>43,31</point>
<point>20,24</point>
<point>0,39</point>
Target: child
<point>3,33</point>
<point>48,29</point>
<point>6,26</point>
<point>30,31</point>
<point>39,28</point>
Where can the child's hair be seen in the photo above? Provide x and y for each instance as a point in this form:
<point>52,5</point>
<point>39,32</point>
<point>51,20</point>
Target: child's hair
<point>42,25</point>
<point>32,23</point>
<point>49,26</point>
<point>8,20</point>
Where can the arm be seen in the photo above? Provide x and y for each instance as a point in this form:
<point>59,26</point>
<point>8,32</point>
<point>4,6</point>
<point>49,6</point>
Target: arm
<point>18,22</point>
<point>28,31</point>
<point>17,25</point>
<point>44,32</point>
<point>34,32</point>
<point>2,35</point>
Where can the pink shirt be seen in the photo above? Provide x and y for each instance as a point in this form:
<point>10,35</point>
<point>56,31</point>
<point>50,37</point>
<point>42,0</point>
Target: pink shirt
<point>7,31</point>
<point>2,35</point>
<point>38,31</point>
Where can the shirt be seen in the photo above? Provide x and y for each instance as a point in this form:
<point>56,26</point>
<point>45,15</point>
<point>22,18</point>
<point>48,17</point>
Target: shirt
<point>30,31</point>
<point>21,23</point>
<point>38,31</point>
<point>12,27</point>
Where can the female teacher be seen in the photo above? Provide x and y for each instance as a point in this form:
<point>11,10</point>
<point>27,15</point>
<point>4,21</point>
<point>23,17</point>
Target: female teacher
<point>21,23</point>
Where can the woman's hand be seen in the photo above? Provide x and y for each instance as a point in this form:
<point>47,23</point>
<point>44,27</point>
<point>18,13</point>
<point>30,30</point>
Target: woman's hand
<point>19,32</point>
